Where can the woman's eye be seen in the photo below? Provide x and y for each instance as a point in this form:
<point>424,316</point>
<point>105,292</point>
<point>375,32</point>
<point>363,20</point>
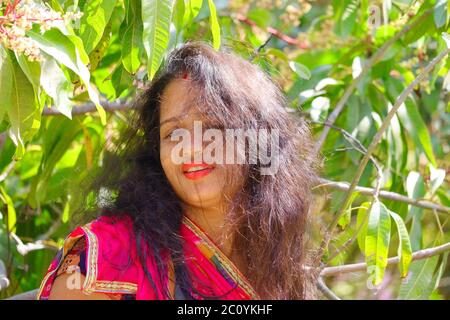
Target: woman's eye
<point>169,134</point>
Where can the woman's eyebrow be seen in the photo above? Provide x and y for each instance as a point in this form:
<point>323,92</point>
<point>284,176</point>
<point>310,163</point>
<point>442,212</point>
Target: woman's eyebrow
<point>176,118</point>
<point>171,119</point>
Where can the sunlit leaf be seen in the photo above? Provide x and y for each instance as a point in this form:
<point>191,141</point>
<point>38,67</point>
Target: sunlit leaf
<point>404,246</point>
<point>377,241</point>
<point>96,15</point>
<point>156,17</point>
<point>214,24</point>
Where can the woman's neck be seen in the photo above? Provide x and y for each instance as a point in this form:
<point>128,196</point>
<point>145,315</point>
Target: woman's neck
<point>212,221</point>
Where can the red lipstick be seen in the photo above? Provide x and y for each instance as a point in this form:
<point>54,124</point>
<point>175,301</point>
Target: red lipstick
<point>194,171</point>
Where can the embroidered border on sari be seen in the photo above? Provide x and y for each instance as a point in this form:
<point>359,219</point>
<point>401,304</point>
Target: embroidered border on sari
<point>224,261</point>
<point>91,284</point>
<point>68,244</point>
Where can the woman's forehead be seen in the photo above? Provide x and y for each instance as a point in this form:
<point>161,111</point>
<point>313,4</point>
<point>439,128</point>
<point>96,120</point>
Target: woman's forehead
<point>178,101</point>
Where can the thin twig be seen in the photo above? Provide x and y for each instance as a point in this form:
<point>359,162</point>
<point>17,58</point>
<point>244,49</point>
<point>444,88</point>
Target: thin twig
<point>327,292</point>
<point>274,32</point>
<point>418,255</point>
<point>344,186</point>
<point>258,50</point>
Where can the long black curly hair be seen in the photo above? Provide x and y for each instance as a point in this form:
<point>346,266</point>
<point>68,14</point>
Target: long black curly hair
<point>268,216</point>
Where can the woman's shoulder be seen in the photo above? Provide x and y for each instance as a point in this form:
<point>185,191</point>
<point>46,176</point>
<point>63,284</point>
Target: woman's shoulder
<point>110,256</point>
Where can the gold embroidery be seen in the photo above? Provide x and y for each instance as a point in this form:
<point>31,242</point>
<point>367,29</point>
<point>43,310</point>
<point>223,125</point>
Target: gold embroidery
<point>116,286</point>
<point>67,246</point>
<point>91,270</point>
<point>232,270</point>
<point>91,283</point>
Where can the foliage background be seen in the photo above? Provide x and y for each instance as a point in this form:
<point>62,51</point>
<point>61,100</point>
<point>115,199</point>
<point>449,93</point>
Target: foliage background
<point>357,55</point>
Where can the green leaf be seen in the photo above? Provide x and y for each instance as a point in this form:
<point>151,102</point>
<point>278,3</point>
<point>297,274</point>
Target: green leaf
<point>156,16</point>
<point>412,120</point>
<point>214,24</point>
<point>121,80</point>
<point>404,246</point>
<point>132,39</point>
<point>68,51</point>
<point>440,13</point>
<point>56,86</point>
<point>344,220</point>
<point>415,188</point>
<point>55,146</point>
<point>31,69</point>
<point>12,216</point>
<point>301,70</point>
<point>437,177</point>
<point>377,241</point>
<point>94,20</point>
<point>361,218</point>
<point>5,81</point>
<point>178,15</point>
<point>65,214</point>
<point>23,112</point>
<point>192,9</point>
<point>419,278</point>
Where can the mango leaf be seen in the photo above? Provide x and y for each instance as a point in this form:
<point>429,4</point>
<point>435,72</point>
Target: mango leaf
<point>301,70</point>
<point>361,218</point>
<point>437,177</point>
<point>440,13</point>
<point>31,69</point>
<point>419,279</point>
<point>23,112</point>
<point>178,15</point>
<point>68,51</point>
<point>55,146</point>
<point>56,86</point>
<point>156,16</point>
<point>5,81</point>
<point>12,216</point>
<point>121,80</point>
<point>436,278</point>
<point>98,52</point>
<point>192,9</point>
<point>412,120</point>
<point>404,246</point>
<point>377,241</point>
<point>214,24</point>
<point>344,220</point>
<point>132,39</point>
<point>94,20</point>
<point>415,188</point>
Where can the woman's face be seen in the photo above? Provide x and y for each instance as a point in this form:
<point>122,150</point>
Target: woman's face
<point>198,184</point>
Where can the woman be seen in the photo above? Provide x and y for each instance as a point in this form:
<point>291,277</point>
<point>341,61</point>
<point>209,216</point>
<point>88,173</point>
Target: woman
<point>175,226</point>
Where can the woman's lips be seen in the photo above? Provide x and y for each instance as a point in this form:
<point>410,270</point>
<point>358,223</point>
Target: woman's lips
<point>194,171</point>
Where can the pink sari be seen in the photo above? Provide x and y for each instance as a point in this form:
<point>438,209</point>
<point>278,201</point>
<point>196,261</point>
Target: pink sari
<point>113,265</point>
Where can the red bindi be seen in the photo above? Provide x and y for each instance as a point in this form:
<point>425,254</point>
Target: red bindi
<point>185,75</point>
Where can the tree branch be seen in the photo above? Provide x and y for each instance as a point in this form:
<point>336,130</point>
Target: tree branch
<point>275,32</point>
<point>109,106</point>
<point>344,186</point>
<point>418,255</point>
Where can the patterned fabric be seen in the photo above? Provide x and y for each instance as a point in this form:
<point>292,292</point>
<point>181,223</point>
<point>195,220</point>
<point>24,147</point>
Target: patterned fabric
<point>104,251</point>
